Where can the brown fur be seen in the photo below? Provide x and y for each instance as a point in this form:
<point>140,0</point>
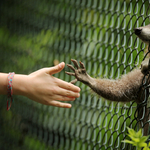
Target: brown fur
<point>122,90</point>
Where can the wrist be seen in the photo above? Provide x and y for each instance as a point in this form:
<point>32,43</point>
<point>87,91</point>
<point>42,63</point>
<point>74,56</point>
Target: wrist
<point>91,81</point>
<point>20,84</point>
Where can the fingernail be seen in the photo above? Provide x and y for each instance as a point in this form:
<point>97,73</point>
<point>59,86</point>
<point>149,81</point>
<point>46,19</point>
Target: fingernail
<point>78,90</point>
<point>60,65</point>
<point>69,106</point>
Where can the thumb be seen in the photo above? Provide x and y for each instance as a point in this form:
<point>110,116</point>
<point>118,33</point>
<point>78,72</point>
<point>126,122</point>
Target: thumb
<point>56,68</point>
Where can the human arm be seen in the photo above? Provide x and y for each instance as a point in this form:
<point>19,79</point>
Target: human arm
<point>42,87</point>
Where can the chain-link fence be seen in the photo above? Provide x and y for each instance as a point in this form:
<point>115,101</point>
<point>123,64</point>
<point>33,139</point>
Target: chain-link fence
<point>40,33</point>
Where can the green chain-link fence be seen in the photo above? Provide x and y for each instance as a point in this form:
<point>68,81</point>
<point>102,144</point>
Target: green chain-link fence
<point>39,33</point>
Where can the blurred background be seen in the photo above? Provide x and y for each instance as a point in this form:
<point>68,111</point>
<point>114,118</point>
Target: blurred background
<point>41,33</point>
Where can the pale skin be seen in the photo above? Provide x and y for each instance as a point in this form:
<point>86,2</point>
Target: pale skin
<point>42,87</point>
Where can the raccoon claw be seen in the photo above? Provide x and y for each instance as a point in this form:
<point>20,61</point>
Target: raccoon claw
<point>74,81</point>
<point>79,73</point>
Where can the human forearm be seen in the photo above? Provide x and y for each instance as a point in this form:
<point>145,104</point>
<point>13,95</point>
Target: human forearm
<point>3,83</point>
<point>19,84</point>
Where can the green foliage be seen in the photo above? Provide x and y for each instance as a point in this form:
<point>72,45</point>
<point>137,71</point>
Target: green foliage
<point>137,139</point>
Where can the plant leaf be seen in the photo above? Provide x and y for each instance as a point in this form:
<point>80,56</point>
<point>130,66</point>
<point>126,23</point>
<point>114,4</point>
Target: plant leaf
<point>127,141</point>
<point>143,139</point>
<point>131,131</point>
<point>142,144</point>
<point>146,148</point>
<point>134,138</point>
<point>139,133</point>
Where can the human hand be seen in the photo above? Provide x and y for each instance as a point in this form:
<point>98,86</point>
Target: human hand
<point>49,90</point>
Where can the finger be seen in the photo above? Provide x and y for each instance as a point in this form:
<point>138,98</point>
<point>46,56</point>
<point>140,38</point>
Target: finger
<point>74,81</point>
<point>62,97</point>
<point>75,63</point>
<point>82,65</point>
<point>67,93</point>
<point>70,73</point>
<point>71,67</point>
<point>60,104</point>
<point>56,69</point>
<point>66,85</point>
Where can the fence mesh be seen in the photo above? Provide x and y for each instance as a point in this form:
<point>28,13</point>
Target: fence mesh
<point>41,33</point>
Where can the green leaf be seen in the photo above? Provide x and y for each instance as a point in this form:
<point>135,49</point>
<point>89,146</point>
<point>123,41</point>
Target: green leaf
<point>142,144</point>
<point>135,139</point>
<point>146,148</point>
<point>127,141</point>
<point>131,131</point>
<point>143,139</point>
<point>139,133</point>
